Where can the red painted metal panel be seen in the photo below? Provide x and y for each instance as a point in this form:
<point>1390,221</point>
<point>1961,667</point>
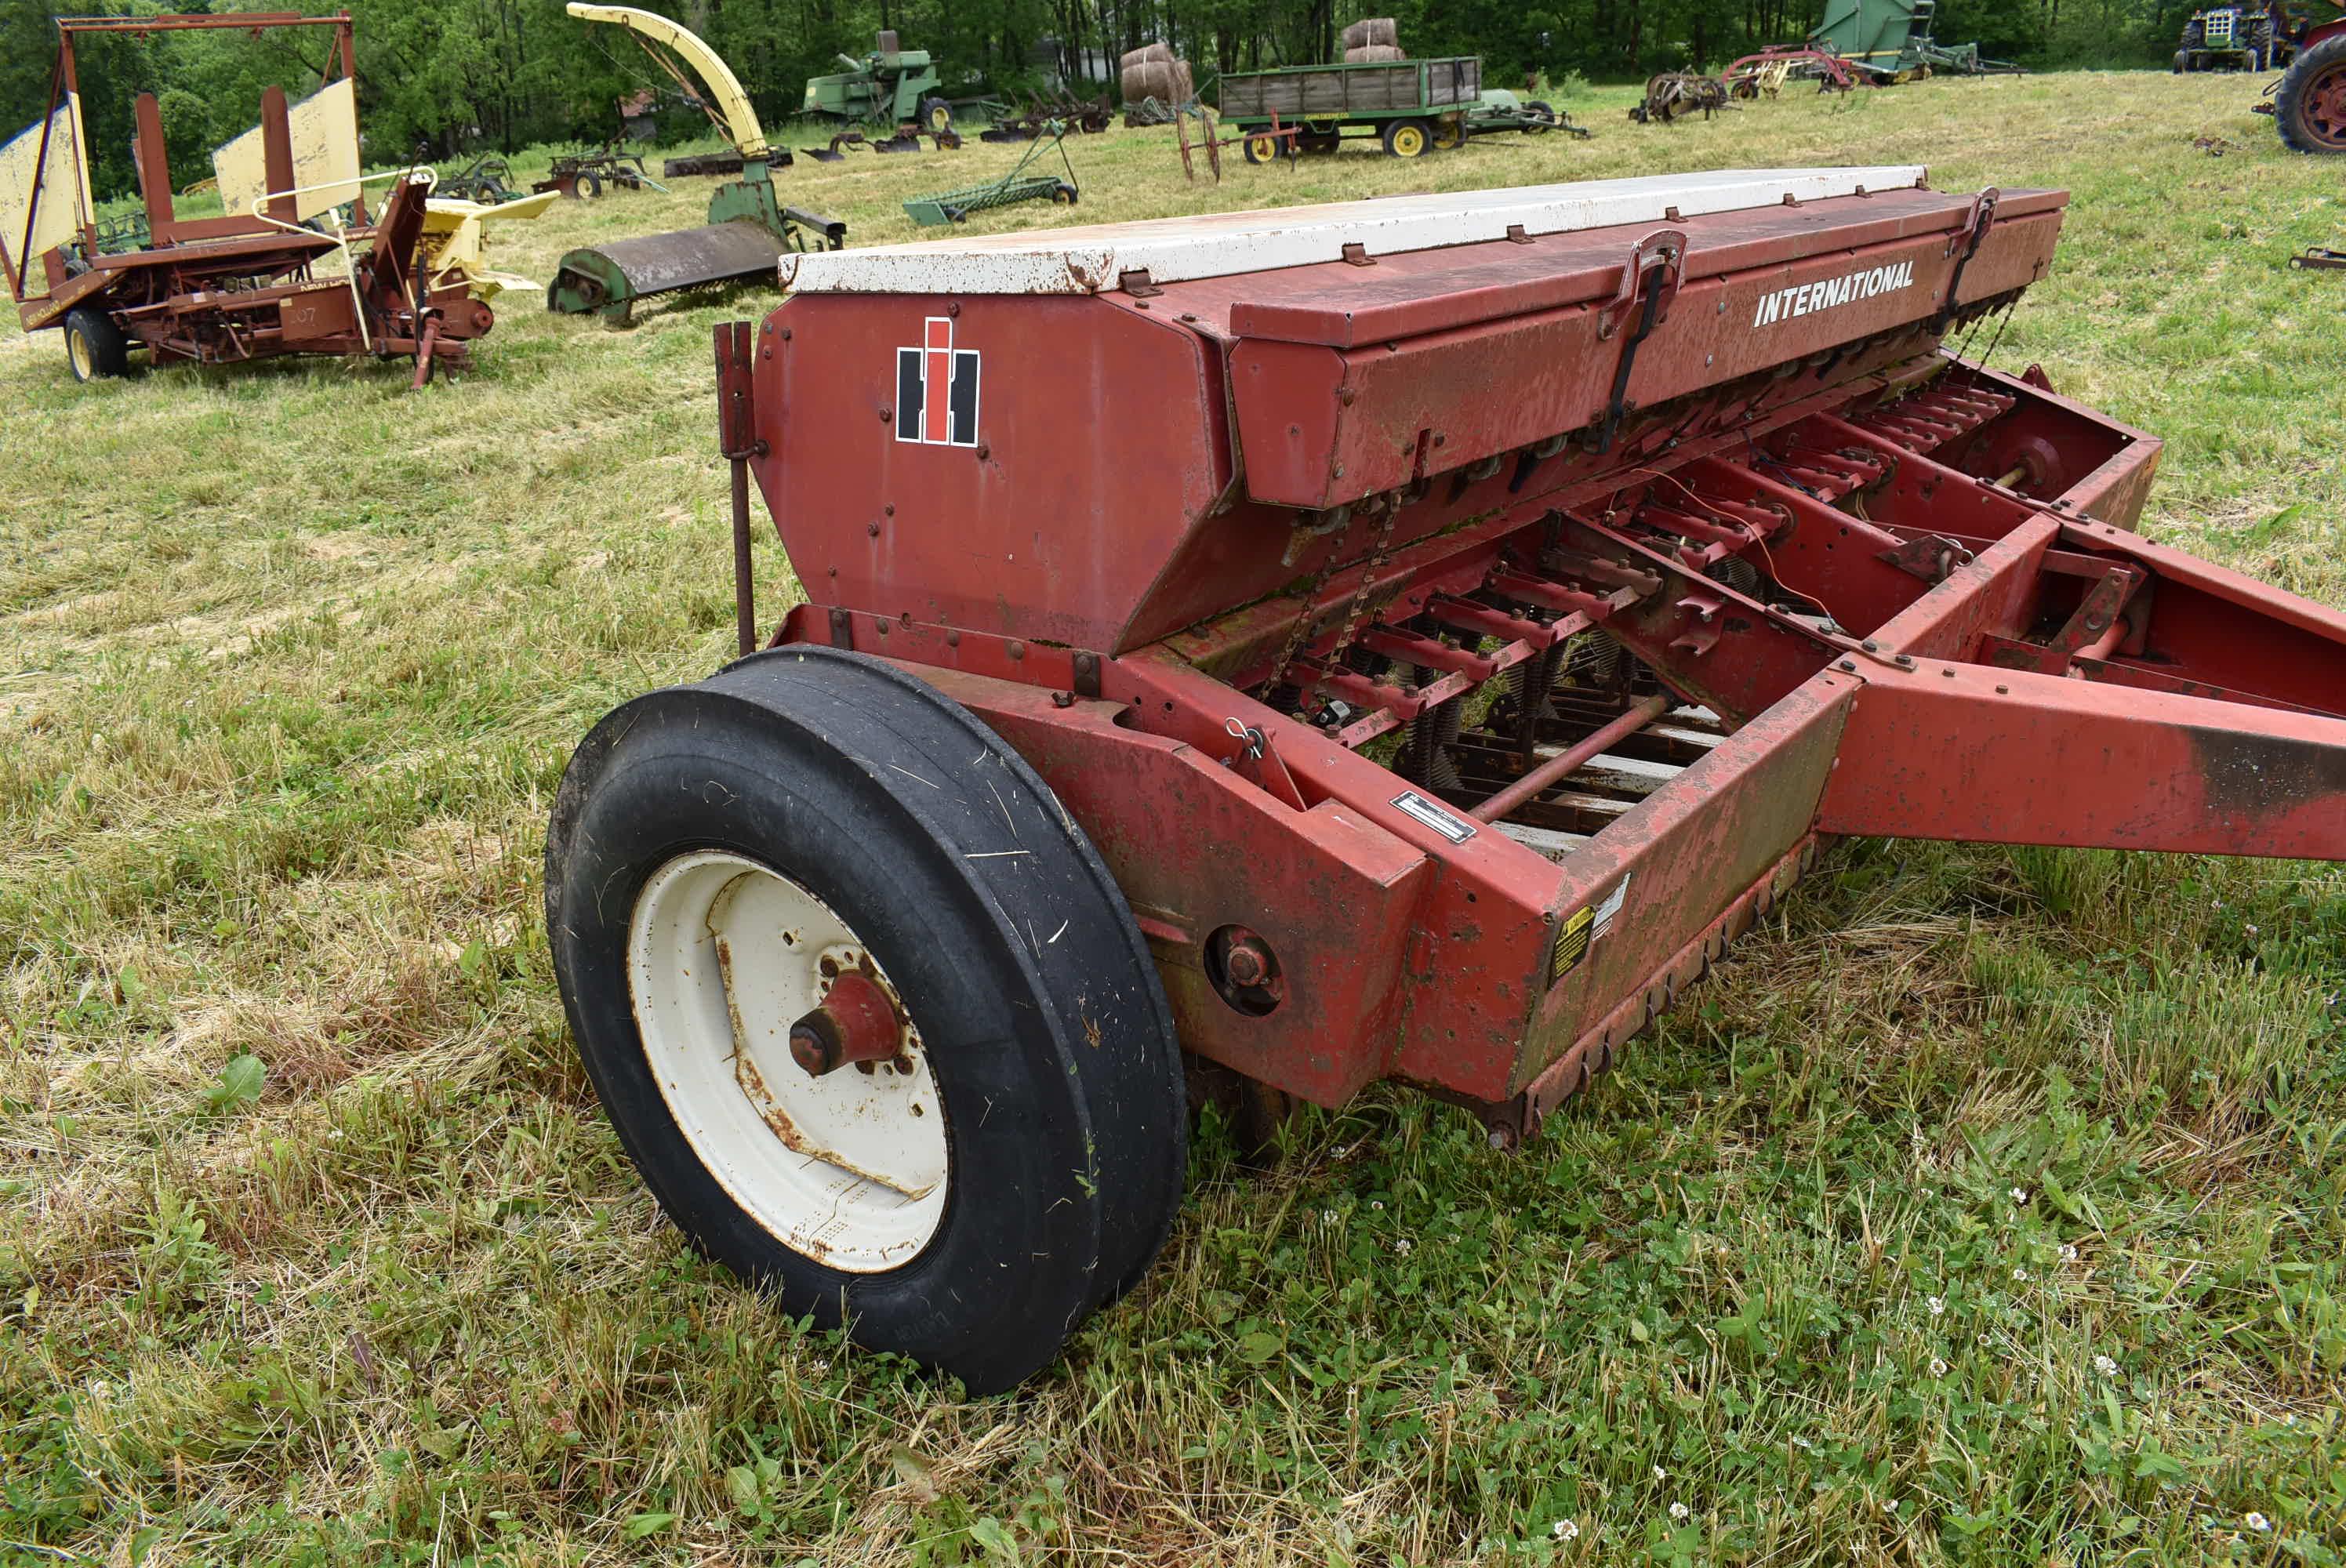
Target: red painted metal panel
<point>1684,855</point>
<point>1195,849</point>
<point>1964,752</point>
<point>1054,524</point>
<point>1320,426</point>
<point>1344,306</point>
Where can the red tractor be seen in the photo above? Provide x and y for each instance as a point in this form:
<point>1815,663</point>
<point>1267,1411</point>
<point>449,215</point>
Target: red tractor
<point>2309,104</point>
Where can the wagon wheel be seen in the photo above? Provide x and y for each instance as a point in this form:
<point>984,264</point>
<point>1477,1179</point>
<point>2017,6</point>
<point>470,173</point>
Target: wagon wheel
<point>1261,148</point>
<point>866,1009</point>
<point>1406,139</point>
<point>1449,133</point>
<point>2311,104</point>
<point>1063,194</point>
<point>1543,118</point>
<point>94,346</point>
<point>587,186</point>
<point>937,117</point>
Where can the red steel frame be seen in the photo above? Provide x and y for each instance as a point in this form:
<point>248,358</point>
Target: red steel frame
<point>1829,70</point>
<point>232,287</point>
<point>1902,589</point>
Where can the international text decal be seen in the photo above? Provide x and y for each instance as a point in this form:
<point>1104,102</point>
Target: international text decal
<point>1831,291</point>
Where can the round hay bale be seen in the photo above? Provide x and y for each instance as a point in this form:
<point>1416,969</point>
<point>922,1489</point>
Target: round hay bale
<point>1165,80</point>
<point>1370,31</point>
<point>1366,53</point>
<point>1146,52</point>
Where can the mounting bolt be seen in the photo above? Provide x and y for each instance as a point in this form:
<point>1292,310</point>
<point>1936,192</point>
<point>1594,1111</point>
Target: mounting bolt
<point>1063,699</point>
<point>1248,961</point>
<point>887,414</point>
<point>873,528</point>
<point>1850,665</point>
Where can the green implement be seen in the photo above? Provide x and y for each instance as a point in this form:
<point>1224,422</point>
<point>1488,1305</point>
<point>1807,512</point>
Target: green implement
<point>891,89</point>
<point>748,228</point>
<point>1501,110</point>
<point>954,205</point>
<point>1412,106</point>
<point>1890,41</point>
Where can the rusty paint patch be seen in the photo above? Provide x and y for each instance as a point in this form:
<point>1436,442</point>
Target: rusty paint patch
<point>2259,776</point>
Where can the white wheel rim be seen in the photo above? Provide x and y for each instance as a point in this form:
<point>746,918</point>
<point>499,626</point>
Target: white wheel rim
<point>83,360</point>
<point>851,1168</point>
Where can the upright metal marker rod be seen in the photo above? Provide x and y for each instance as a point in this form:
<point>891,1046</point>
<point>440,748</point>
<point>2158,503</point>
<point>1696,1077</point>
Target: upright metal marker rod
<point>738,440</point>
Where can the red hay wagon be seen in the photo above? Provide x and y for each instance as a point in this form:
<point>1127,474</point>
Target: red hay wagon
<point>1406,640</point>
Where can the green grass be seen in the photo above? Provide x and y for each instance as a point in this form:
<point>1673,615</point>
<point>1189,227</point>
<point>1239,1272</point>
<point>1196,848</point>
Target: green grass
<point>314,1247</point>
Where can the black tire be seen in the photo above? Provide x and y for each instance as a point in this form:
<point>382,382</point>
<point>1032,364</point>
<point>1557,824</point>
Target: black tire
<point>1258,146</point>
<point>937,117</point>
<point>95,347</point>
<point>1063,194</point>
<point>2182,62</point>
<point>1052,1046</point>
<point>2310,103</point>
<point>1546,122</point>
<point>587,187</point>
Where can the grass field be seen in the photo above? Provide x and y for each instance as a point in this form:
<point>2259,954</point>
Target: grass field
<point>1989,1206</point>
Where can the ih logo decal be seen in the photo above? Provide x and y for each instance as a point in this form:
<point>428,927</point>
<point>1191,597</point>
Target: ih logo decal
<point>936,389</point>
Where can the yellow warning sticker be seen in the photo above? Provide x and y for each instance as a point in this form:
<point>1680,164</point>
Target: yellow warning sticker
<point>1582,928</point>
<point>1571,944</point>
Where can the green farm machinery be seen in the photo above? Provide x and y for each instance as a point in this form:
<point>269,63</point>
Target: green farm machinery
<point>1500,110</point>
<point>1890,41</point>
<point>1018,186</point>
<point>749,229</point>
<point>2232,38</point>
<point>891,90</point>
<point>1410,106</point>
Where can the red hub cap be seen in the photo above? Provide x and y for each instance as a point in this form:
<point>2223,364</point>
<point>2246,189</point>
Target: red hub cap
<point>856,1022</point>
<point>2325,107</point>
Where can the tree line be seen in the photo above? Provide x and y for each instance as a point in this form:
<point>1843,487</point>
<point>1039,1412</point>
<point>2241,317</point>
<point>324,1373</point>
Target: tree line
<point>456,77</point>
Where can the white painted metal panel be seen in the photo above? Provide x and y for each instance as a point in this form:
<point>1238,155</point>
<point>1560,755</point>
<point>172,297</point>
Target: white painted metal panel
<point>1088,260</point>
<point>324,130</point>
<point>63,184</point>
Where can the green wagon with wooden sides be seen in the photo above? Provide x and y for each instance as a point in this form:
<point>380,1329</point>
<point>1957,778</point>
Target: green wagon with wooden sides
<point>1411,107</point>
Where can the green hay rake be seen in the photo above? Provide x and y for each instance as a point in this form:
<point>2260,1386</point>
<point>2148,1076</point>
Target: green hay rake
<point>1018,186</point>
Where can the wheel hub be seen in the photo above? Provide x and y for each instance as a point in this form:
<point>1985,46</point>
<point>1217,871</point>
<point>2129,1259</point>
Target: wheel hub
<point>789,1061</point>
<point>2325,106</point>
